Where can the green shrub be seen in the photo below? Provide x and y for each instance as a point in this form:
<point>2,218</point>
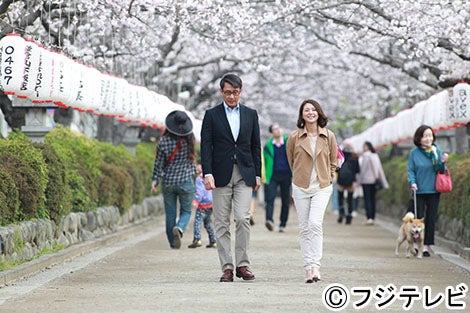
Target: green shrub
<point>9,198</point>
<point>19,145</point>
<point>115,187</point>
<point>82,163</point>
<point>142,177</point>
<point>456,203</point>
<point>136,167</point>
<point>58,194</point>
<point>30,193</point>
<point>145,153</point>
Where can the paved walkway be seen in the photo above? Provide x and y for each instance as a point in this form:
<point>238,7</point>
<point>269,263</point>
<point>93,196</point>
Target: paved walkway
<point>141,274</point>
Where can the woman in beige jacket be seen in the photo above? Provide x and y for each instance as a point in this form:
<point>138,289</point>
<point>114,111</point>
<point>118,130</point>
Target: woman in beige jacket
<point>312,155</point>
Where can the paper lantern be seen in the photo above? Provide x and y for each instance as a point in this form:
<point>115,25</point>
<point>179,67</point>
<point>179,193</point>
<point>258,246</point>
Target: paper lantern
<point>151,107</point>
<point>43,86</point>
<point>75,84</point>
<point>436,111</point>
<point>418,115</point>
<point>63,80</point>
<point>144,109</point>
<point>403,121</point>
<point>459,110</point>
<point>12,63</point>
<point>105,94</point>
<point>122,98</point>
<point>134,102</point>
<point>88,93</point>
<point>31,67</point>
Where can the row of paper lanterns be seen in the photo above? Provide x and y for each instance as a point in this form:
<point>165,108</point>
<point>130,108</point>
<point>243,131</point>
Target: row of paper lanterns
<point>441,111</point>
<point>30,71</point>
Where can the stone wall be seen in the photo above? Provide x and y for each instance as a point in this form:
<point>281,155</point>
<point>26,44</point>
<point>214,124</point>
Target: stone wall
<point>26,240</point>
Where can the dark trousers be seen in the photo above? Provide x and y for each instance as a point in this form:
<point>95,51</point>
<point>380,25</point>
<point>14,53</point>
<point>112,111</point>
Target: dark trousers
<point>350,191</point>
<point>427,206</point>
<point>369,199</point>
<point>282,180</point>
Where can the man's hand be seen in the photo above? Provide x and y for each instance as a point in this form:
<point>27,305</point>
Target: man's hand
<point>258,184</point>
<point>154,188</point>
<point>209,182</point>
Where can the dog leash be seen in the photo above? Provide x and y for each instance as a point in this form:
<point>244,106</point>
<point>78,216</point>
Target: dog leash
<point>414,202</point>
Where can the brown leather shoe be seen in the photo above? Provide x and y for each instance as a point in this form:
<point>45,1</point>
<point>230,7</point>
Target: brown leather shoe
<point>227,276</point>
<point>245,273</point>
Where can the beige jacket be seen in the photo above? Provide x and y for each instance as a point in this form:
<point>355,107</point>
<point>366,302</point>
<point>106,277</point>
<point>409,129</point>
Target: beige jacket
<point>300,157</point>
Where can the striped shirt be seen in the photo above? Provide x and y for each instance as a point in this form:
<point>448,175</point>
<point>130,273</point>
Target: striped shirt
<point>181,168</point>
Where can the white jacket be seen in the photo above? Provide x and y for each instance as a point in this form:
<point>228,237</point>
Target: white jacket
<point>371,169</point>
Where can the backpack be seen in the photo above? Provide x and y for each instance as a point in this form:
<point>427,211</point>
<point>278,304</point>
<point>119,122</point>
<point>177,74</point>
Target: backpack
<point>346,175</point>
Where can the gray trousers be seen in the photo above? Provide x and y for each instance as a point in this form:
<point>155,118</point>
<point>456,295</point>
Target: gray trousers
<point>237,195</point>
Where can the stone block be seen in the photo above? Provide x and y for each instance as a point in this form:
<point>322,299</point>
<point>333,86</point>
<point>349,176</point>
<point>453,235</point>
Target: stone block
<point>92,221</point>
<point>86,235</point>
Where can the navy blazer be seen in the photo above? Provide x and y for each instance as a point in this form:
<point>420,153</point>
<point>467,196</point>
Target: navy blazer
<point>218,146</point>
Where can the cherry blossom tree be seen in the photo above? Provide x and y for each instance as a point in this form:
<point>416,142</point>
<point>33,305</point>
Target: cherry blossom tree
<point>362,59</point>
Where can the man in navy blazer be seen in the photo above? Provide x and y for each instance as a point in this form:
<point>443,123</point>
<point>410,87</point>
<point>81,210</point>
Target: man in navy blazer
<point>231,165</point>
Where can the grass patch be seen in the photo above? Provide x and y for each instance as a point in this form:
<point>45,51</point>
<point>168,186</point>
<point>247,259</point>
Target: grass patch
<point>8,265</point>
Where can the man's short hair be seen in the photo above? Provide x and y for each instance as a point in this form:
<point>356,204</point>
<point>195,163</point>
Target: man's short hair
<point>231,79</point>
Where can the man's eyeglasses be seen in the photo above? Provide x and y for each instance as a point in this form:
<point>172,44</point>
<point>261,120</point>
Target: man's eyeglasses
<point>231,92</point>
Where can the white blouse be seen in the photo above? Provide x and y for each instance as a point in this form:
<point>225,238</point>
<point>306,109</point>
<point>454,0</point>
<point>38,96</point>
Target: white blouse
<point>314,185</point>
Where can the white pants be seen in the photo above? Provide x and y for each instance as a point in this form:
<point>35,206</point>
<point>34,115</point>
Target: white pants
<point>310,212</point>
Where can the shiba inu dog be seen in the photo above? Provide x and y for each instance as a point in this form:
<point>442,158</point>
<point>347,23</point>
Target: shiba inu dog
<point>412,230</point>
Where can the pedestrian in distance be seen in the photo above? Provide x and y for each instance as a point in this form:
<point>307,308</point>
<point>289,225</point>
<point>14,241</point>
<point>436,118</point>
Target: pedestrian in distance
<point>175,168</point>
<point>371,177</point>
<point>312,155</point>
<point>231,165</point>
<point>346,182</point>
<point>278,175</point>
<point>423,163</point>
<point>202,204</point>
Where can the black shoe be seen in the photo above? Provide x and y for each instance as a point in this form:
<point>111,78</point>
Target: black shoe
<point>252,221</point>
<point>340,219</point>
<point>426,254</point>
<point>348,220</point>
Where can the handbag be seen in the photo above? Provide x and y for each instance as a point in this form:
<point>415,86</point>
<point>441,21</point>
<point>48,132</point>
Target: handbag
<point>443,182</point>
<point>340,156</point>
<point>378,184</point>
